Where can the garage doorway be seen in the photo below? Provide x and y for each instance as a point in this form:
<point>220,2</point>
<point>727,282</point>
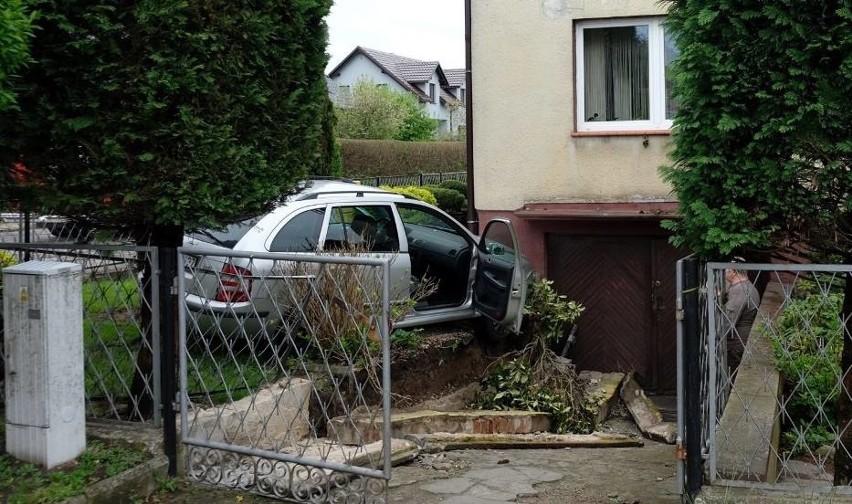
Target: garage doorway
<point>627,284</point>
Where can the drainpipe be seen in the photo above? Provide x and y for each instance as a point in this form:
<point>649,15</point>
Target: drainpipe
<point>472,217</point>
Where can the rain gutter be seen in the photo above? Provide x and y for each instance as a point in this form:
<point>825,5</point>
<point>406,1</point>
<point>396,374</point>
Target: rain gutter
<point>472,215</point>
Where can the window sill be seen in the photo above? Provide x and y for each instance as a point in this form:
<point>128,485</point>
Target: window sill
<point>621,133</point>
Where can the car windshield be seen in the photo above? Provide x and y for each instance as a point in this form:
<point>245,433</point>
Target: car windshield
<point>228,235</point>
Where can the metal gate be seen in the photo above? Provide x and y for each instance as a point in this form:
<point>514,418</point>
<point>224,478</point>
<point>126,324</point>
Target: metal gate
<point>285,374</point>
<point>771,421</point>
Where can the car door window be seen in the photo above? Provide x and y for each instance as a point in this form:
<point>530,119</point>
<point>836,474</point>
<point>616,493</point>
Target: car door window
<point>368,227</point>
<point>498,243</point>
<point>300,233</point>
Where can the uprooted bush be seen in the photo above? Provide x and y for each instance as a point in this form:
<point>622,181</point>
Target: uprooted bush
<point>535,378</point>
<point>337,306</point>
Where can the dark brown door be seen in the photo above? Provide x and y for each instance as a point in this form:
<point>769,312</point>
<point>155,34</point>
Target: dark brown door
<point>664,310</point>
<point>627,285</point>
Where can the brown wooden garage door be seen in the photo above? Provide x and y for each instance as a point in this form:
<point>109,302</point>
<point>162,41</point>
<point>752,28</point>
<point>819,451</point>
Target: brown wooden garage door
<point>627,285</point>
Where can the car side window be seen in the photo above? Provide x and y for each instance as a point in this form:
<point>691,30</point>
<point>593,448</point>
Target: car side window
<point>300,233</point>
<point>368,227</point>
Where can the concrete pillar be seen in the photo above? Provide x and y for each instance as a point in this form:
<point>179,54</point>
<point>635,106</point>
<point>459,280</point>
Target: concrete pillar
<point>45,396</point>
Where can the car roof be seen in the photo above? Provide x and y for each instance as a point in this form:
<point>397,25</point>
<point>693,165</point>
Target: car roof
<point>315,187</point>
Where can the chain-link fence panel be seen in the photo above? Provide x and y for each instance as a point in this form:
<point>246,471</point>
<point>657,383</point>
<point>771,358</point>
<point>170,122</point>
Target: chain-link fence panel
<point>120,325</point>
<point>285,378</point>
<point>771,375</point>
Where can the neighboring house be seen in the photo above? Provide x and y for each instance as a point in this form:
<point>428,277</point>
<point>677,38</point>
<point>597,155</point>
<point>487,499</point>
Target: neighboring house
<point>426,80</point>
<point>572,117</point>
<point>457,87</point>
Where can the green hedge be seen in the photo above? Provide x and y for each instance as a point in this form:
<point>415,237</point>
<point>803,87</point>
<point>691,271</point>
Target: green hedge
<point>449,200</point>
<point>362,158</point>
<point>420,193</point>
<point>456,185</point>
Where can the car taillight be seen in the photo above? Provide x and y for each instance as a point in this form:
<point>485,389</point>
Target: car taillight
<point>234,284</point>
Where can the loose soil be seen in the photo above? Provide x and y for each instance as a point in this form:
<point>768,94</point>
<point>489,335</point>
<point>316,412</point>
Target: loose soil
<point>449,357</point>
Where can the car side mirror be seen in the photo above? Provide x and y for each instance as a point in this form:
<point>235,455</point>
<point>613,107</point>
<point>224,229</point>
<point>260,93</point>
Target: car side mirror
<point>495,248</point>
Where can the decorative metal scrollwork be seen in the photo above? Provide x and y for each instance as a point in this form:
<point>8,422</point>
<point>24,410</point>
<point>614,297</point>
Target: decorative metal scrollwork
<point>283,480</point>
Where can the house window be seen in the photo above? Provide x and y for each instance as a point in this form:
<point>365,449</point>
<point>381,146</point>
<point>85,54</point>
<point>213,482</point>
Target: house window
<point>343,92</point>
<point>461,95</point>
<point>623,80</point>
<point>432,92</point>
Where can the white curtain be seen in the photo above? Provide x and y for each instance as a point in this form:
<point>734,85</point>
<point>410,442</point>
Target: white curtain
<point>616,73</point>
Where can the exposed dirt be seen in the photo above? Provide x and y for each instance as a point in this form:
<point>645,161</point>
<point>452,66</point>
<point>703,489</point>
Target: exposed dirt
<point>449,357</point>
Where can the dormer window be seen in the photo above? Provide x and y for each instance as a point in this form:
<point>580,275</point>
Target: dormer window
<point>432,92</point>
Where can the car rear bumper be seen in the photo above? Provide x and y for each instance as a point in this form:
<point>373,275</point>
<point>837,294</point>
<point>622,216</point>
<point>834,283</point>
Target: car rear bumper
<point>228,319</point>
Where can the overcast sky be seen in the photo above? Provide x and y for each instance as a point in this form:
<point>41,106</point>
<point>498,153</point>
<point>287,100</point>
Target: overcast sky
<point>431,31</point>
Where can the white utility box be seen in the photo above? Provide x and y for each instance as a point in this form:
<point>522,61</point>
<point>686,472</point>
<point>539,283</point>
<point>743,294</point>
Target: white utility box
<point>45,396</point>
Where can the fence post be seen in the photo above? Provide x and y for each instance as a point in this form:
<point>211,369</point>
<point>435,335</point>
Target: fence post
<point>692,364</point>
<point>27,233</point>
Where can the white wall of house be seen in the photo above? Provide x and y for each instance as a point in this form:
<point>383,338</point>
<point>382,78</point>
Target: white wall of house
<point>433,108</point>
<point>360,67</point>
<point>526,148</point>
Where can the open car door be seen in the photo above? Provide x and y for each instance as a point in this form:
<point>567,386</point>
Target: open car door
<point>500,286</point>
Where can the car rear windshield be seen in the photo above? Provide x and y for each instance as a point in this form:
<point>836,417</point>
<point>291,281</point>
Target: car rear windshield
<point>228,235</point>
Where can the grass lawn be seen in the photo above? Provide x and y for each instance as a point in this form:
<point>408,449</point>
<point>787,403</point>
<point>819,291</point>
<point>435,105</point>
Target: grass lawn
<point>26,483</point>
<point>112,332</point>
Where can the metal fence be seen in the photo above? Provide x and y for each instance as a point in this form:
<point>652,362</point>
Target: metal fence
<point>770,422</point>
<point>120,317</point>
<point>419,179</point>
<point>285,374</point>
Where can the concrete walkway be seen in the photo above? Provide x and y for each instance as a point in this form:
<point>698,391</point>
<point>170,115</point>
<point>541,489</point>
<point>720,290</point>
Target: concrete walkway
<point>544,476</point>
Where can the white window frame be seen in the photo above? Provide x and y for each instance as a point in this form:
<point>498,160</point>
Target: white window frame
<point>656,77</point>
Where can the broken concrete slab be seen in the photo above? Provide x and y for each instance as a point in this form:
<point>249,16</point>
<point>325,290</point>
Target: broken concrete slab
<point>273,416</point>
<point>645,413</point>
<point>602,389</point>
<point>433,443</point>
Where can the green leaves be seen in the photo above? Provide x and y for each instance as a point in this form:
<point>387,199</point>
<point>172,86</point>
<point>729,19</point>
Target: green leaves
<point>376,113</point>
<point>15,33</point>
<point>166,112</point>
<point>763,91</point>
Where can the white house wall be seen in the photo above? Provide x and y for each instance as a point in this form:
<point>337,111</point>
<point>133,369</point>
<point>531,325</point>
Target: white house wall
<point>360,67</point>
<point>523,83</point>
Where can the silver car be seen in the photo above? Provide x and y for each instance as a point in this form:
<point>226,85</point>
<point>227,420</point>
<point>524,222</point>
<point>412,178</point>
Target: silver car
<point>474,275</point>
